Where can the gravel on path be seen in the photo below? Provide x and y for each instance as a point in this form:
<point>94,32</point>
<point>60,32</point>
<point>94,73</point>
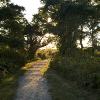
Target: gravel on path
<point>33,85</point>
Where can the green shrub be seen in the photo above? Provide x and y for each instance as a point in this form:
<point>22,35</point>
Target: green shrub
<point>45,53</point>
<point>11,60</point>
<point>86,72</point>
<point>97,53</point>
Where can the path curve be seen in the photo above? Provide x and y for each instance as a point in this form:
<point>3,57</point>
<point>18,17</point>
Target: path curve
<point>33,85</point>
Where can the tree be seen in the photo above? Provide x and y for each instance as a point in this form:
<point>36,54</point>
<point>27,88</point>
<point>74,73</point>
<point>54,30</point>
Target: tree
<point>12,24</point>
<point>68,16</point>
<point>94,28</point>
<point>35,33</point>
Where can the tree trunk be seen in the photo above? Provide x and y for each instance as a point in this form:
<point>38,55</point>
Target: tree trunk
<point>93,47</point>
<point>81,44</point>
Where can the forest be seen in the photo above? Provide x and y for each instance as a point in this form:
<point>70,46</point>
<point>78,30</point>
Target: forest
<point>71,22</point>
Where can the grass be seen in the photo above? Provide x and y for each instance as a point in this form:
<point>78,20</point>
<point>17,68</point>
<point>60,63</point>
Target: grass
<point>62,89</point>
<point>45,68</point>
<point>84,71</point>
<point>8,86</point>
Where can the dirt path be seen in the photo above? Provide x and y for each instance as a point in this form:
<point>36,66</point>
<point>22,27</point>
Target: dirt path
<point>33,85</point>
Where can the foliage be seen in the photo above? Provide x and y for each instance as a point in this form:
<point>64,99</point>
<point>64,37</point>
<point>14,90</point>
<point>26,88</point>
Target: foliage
<point>85,71</point>
<point>74,20</point>
<point>11,60</point>
<point>46,53</point>
<point>9,84</point>
<point>12,53</point>
<point>34,33</point>
<point>66,19</point>
<point>62,89</point>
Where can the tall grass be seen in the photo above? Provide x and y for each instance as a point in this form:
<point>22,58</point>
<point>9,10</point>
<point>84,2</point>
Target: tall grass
<point>84,71</point>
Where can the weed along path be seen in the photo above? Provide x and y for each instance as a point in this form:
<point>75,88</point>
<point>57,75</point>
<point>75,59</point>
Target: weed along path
<point>33,85</point>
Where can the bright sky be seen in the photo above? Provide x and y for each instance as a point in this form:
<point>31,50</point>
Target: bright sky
<point>31,7</point>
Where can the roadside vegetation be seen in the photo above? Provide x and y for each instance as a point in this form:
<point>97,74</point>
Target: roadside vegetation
<point>9,84</point>
<point>74,78</point>
<point>74,72</point>
<point>45,53</point>
<point>19,41</point>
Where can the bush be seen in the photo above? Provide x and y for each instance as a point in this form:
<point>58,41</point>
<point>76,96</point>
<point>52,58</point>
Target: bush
<point>45,54</point>
<point>86,72</point>
<point>11,60</point>
<point>97,53</point>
